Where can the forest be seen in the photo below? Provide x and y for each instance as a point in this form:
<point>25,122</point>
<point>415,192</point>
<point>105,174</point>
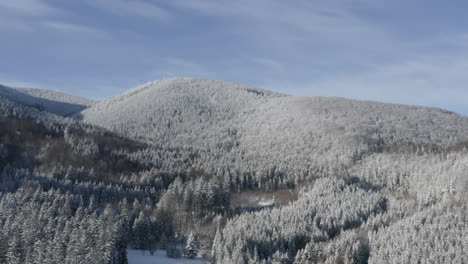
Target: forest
<point>230,173</point>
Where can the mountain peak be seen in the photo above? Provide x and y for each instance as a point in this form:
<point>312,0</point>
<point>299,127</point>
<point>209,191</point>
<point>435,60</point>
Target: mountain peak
<point>192,84</point>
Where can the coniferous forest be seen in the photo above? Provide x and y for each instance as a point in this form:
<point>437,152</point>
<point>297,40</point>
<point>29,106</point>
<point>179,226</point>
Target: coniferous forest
<point>230,174</point>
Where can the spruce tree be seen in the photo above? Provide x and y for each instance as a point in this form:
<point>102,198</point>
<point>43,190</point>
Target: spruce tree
<point>191,248</point>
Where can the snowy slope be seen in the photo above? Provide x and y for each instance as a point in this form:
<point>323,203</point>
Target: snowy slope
<point>48,100</point>
<point>253,129</point>
<point>57,96</point>
<point>159,257</point>
<point>193,111</point>
<point>178,111</point>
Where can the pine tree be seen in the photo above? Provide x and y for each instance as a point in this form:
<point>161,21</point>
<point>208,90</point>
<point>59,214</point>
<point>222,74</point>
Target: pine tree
<point>141,230</point>
<point>191,248</point>
<point>14,252</point>
<point>120,243</point>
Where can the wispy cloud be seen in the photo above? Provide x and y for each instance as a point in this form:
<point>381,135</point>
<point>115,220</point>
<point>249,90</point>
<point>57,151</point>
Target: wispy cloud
<point>68,27</point>
<point>13,24</point>
<point>177,62</point>
<point>30,7</point>
<point>268,63</point>
<point>175,67</point>
<point>333,50</point>
<point>21,15</point>
<point>14,82</point>
<point>302,29</point>
<point>367,49</point>
<point>310,16</point>
<point>438,80</point>
<point>139,8</point>
<point>431,80</point>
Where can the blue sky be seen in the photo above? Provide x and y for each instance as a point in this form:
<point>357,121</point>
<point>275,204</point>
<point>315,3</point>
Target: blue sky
<point>411,52</point>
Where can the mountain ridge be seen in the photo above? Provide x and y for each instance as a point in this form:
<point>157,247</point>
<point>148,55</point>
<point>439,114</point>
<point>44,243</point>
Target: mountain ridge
<point>46,100</point>
<point>205,95</point>
<point>264,132</point>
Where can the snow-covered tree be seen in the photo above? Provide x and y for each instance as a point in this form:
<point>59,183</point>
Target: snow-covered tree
<point>191,246</point>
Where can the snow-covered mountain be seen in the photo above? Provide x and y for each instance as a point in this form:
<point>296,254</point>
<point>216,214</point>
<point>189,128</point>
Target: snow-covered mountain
<point>179,111</point>
<point>348,181</point>
<point>189,110</point>
<point>47,100</point>
<point>260,128</point>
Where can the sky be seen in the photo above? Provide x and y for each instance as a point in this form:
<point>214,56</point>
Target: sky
<point>399,51</point>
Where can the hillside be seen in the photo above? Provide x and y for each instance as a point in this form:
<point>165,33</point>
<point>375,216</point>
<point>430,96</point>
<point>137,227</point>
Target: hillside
<point>70,186</point>
<point>200,112</point>
<point>57,96</point>
<point>175,110</point>
<point>256,131</point>
<point>46,100</point>
<point>252,176</point>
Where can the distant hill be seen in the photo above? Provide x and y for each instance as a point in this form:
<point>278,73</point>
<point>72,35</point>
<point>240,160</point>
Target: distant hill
<point>256,129</point>
<point>180,110</point>
<point>189,110</point>
<point>46,100</point>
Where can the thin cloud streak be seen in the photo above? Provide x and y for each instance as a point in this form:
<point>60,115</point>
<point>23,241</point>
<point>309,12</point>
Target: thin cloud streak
<point>137,8</point>
<point>67,27</point>
<point>439,81</point>
<point>288,30</point>
<point>269,63</point>
<point>30,7</point>
<point>175,67</point>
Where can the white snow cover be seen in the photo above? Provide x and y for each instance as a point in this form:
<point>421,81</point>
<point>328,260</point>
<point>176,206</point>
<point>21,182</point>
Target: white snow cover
<point>260,128</point>
<point>57,96</point>
<point>159,257</point>
<point>51,101</point>
<point>266,202</point>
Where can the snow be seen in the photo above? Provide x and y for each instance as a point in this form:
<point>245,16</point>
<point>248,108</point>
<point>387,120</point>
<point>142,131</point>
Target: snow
<point>57,96</point>
<point>266,202</point>
<point>266,134</point>
<point>206,114</point>
<point>51,101</point>
<point>159,257</point>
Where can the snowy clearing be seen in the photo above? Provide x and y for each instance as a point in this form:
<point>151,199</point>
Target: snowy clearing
<point>266,202</point>
<point>159,257</point>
